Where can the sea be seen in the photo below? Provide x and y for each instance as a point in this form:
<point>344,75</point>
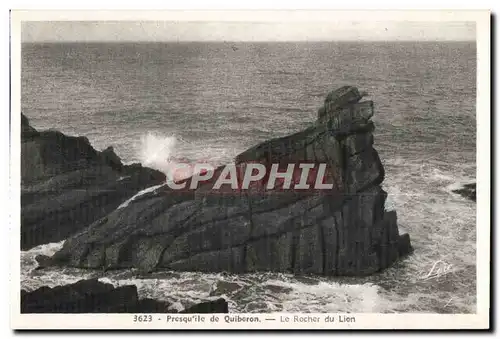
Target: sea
<point>158,103</point>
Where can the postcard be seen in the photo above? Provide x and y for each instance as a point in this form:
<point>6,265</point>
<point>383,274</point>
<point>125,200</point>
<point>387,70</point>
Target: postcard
<point>250,169</point>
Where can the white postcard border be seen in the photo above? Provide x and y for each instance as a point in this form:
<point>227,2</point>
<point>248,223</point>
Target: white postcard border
<point>480,320</point>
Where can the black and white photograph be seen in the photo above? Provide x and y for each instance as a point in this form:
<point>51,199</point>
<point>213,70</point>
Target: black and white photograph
<point>264,172</point>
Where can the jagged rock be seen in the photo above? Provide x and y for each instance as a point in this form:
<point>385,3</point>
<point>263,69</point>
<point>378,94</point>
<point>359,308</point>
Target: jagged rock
<point>27,131</point>
<point>467,191</point>
<point>216,306</point>
<point>343,231</point>
<point>339,99</point>
<point>66,184</point>
<point>109,157</point>
<point>93,296</point>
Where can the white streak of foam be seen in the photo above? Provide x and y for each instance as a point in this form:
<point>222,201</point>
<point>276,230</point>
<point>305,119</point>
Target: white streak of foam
<point>329,297</point>
<point>46,249</point>
<point>144,191</point>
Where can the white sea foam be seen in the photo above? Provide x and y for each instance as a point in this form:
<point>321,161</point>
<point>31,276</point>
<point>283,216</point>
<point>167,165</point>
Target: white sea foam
<point>156,151</point>
<point>46,249</point>
<point>159,152</point>
<point>28,261</point>
<point>328,296</point>
<point>269,292</point>
<point>32,279</point>
<point>438,175</point>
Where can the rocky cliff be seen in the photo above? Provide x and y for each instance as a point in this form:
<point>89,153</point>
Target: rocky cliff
<point>343,231</point>
<point>66,184</point>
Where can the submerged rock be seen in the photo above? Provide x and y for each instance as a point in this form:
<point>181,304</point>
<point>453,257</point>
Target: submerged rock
<point>66,184</point>
<point>93,296</point>
<point>467,191</point>
<point>344,231</point>
<point>225,287</point>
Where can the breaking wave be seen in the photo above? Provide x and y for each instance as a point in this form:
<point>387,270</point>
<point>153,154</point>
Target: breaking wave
<point>256,292</point>
<point>156,151</point>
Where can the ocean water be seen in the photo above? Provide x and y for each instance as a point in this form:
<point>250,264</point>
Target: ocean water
<point>159,103</point>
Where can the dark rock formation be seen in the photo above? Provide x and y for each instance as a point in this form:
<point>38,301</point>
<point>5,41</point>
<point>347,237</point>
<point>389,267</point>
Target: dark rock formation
<point>467,191</point>
<point>93,296</point>
<point>66,184</point>
<point>216,306</point>
<point>342,231</point>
